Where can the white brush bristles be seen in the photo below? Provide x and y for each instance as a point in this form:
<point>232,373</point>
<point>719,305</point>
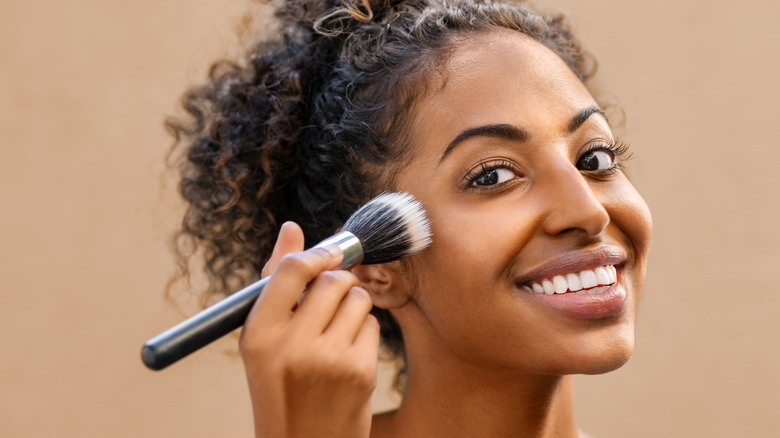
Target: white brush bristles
<point>413,214</point>
<point>390,226</point>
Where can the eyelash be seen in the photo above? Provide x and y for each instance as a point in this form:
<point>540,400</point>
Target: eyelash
<point>619,150</point>
<point>472,175</point>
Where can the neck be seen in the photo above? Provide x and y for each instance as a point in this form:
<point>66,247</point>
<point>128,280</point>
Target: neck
<point>446,397</point>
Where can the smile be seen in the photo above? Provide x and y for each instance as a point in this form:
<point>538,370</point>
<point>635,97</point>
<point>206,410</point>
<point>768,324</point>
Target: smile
<point>590,281</point>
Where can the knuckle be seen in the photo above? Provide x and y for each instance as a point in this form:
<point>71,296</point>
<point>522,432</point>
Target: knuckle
<point>293,262</point>
<point>251,346</point>
<point>295,365</point>
<point>325,366</point>
<point>349,372</point>
<point>361,379</point>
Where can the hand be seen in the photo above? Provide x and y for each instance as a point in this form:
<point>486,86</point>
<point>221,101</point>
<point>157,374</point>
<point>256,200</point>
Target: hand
<point>311,367</point>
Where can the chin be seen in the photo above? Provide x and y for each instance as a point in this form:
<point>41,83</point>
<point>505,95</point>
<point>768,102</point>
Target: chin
<point>608,356</point>
<point>604,364</point>
<point>596,353</point>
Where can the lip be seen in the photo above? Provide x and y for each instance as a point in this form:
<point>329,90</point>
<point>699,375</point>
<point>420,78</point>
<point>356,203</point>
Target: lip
<point>610,303</point>
<point>584,306</point>
<point>575,261</point>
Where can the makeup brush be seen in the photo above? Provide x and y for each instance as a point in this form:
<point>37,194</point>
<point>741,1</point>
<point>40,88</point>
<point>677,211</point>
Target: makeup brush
<point>388,227</point>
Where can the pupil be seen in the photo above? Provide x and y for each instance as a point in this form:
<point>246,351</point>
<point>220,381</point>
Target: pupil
<point>488,178</point>
<point>590,162</point>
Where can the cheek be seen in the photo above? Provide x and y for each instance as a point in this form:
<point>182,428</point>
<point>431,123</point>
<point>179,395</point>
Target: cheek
<point>462,283</point>
<point>477,240</point>
<point>633,216</point>
<point>461,257</point>
<point>629,212</point>
<point>461,251</point>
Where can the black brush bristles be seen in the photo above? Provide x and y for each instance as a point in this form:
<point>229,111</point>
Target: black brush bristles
<point>390,226</point>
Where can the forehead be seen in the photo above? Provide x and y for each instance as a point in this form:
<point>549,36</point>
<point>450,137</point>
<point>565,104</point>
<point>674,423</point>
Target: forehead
<point>500,76</point>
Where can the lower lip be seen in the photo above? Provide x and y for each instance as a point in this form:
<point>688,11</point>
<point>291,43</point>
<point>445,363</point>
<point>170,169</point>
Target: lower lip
<point>586,307</point>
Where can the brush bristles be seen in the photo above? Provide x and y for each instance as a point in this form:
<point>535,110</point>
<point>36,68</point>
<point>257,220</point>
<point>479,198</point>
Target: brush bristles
<point>390,226</point>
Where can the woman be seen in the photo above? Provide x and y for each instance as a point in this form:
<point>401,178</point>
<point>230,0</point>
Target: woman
<point>478,109</point>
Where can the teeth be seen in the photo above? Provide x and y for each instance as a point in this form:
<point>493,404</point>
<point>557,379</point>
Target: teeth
<point>584,282</point>
<point>601,275</point>
<point>588,279</point>
<point>574,282</point>
<point>612,273</point>
<point>561,286</point>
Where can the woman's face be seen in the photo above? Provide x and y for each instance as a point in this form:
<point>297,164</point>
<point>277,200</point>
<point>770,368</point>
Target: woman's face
<point>519,172</point>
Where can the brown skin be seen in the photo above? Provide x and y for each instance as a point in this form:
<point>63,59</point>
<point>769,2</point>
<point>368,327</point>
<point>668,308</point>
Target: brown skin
<point>485,357</point>
<point>311,367</point>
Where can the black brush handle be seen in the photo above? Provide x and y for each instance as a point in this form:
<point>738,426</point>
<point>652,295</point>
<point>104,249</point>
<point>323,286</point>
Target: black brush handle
<point>227,315</point>
<point>202,328</point>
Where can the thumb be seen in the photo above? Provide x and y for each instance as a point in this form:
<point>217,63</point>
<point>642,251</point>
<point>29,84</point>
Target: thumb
<point>290,240</point>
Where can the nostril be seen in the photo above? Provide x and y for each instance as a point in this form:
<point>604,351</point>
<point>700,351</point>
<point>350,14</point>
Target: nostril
<point>587,220</point>
<point>573,202</point>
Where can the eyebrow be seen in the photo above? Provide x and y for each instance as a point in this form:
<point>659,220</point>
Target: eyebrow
<point>501,131</point>
<point>514,133</point>
<point>582,116</point>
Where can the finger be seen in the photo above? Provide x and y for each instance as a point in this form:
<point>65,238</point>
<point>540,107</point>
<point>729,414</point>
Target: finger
<point>350,315</point>
<point>367,342</point>
<point>290,240</point>
<point>290,278</point>
<point>324,297</point>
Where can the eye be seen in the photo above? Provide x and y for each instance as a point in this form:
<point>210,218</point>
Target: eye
<point>491,174</point>
<point>491,177</point>
<point>597,159</point>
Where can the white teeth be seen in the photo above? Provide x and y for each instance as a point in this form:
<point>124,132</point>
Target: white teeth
<point>561,286</point>
<point>588,279</point>
<point>601,275</point>
<point>582,282</point>
<point>574,282</point>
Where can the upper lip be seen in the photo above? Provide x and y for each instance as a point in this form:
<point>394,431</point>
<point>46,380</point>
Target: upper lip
<point>573,262</point>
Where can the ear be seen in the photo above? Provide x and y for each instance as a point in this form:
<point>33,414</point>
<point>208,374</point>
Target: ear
<point>384,282</point>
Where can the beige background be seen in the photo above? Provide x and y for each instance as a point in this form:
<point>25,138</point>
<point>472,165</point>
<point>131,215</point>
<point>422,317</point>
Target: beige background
<point>85,84</point>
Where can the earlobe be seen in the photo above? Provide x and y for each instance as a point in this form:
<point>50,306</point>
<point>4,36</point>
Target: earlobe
<point>387,287</point>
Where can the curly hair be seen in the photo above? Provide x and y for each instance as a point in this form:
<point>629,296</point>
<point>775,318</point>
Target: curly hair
<point>302,129</point>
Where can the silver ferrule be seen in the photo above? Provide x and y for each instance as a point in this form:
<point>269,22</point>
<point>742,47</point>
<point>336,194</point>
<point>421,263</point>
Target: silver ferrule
<point>349,244</point>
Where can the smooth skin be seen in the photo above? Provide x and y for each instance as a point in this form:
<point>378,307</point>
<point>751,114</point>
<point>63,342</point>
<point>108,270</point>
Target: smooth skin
<point>541,195</point>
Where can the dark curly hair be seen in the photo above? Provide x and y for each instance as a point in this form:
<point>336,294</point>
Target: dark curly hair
<point>302,128</point>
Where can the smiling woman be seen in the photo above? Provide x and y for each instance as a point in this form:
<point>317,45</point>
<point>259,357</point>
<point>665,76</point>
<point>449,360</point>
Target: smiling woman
<point>481,112</point>
<point>513,209</point>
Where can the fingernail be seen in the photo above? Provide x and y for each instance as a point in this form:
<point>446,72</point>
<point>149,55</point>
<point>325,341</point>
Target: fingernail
<point>334,250</point>
<point>361,290</point>
<point>284,225</point>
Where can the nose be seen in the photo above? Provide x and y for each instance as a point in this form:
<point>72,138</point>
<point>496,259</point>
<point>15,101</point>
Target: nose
<point>572,205</point>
